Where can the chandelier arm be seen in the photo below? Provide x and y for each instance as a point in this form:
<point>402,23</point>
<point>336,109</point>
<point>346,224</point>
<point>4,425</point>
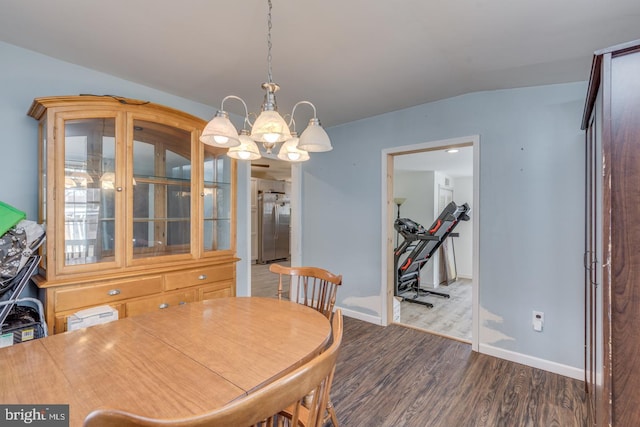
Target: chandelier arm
<point>290,122</point>
<point>315,113</point>
<point>248,121</point>
<point>246,110</point>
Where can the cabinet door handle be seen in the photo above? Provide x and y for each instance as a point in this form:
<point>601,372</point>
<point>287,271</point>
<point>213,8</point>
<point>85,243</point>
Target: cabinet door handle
<point>202,277</point>
<point>114,292</point>
<point>585,260</point>
<point>119,189</point>
<point>182,302</point>
<point>163,305</point>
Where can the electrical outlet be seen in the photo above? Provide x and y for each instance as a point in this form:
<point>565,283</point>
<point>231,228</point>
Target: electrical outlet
<point>537,320</point>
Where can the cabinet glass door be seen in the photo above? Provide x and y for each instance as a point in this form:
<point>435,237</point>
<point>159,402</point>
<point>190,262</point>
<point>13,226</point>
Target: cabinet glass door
<point>217,202</point>
<point>89,204</point>
<point>161,190</point>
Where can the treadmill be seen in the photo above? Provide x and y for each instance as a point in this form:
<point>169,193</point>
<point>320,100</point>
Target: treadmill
<point>421,244</point>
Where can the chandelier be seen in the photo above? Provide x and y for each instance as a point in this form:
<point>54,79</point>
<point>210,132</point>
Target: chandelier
<point>269,127</point>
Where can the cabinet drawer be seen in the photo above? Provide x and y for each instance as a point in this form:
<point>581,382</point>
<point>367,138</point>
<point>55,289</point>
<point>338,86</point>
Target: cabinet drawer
<point>198,276</point>
<point>159,302</point>
<point>220,290</point>
<point>68,299</point>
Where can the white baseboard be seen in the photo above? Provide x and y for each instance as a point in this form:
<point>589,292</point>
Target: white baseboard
<point>464,276</point>
<point>376,320</point>
<point>534,362</point>
<point>512,356</point>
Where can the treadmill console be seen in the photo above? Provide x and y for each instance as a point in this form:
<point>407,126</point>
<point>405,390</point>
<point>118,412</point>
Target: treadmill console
<point>405,226</point>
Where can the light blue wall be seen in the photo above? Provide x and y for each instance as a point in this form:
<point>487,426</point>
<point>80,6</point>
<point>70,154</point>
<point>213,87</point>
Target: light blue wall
<point>531,192</point>
<point>531,210</point>
<point>25,75</point>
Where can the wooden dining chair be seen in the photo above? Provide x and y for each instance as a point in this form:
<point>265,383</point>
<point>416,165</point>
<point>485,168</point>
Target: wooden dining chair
<point>316,288</point>
<point>328,413</point>
<point>311,286</point>
<point>267,406</point>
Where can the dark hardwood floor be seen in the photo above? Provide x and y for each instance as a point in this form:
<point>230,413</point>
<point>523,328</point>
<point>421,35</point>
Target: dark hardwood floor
<point>398,376</point>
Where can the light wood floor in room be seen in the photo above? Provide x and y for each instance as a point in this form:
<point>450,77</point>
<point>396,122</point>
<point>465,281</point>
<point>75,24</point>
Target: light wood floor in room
<point>448,316</point>
<point>397,376</point>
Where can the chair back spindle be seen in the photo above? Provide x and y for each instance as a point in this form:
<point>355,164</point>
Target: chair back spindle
<point>311,286</point>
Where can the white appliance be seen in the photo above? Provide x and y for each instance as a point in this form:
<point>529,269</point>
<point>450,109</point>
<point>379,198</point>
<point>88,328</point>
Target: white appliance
<point>91,316</point>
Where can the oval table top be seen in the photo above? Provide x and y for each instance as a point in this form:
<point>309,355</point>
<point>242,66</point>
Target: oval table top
<point>172,363</point>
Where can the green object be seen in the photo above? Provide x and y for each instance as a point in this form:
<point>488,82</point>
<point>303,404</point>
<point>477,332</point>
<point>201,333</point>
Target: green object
<point>9,216</point>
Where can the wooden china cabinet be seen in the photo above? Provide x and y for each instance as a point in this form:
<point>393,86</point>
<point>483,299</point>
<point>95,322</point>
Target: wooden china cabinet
<point>139,214</point>
<point>612,245</point>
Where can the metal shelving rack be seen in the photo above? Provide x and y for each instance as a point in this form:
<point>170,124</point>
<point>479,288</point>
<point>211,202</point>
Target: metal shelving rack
<point>11,297</point>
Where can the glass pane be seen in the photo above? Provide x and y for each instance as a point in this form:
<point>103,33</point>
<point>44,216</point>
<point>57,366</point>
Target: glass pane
<point>89,200</point>
<point>162,190</point>
<point>217,202</point>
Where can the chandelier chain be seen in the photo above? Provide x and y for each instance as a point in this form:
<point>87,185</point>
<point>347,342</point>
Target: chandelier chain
<point>270,77</point>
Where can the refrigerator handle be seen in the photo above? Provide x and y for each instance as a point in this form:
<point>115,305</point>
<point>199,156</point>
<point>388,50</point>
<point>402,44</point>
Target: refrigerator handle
<point>277,218</point>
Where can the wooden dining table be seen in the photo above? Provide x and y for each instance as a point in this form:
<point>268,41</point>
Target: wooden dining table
<point>173,363</point>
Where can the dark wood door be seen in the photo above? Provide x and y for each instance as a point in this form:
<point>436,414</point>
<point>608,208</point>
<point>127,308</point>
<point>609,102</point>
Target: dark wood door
<point>612,238</point>
<point>623,269</point>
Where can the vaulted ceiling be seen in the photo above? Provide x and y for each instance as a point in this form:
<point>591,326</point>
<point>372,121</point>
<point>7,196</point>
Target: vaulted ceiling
<point>353,59</point>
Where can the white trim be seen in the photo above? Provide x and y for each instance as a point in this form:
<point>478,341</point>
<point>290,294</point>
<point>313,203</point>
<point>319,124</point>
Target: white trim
<point>295,198</point>
<point>376,320</point>
<point>534,362</point>
<point>244,289</point>
<point>475,141</point>
<point>475,261</point>
<point>384,233</point>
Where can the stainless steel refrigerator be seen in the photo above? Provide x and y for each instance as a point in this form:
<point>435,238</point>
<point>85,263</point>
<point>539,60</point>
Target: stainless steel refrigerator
<point>274,218</point>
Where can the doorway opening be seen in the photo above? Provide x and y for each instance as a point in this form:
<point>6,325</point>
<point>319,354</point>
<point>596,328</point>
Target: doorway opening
<point>284,177</point>
<point>418,181</point>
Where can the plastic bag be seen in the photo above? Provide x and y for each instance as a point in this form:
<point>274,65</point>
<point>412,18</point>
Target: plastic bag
<point>17,245</point>
<point>9,216</point>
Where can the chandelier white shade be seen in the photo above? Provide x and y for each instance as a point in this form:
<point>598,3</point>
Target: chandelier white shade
<point>314,138</point>
<point>269,128</point>
<point>291,152</point>
<point>246,150</point>
<point>220,132</point>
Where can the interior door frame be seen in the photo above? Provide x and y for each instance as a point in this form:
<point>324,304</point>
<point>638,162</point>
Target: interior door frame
<point>388,216</point>
<point>243,279</point>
